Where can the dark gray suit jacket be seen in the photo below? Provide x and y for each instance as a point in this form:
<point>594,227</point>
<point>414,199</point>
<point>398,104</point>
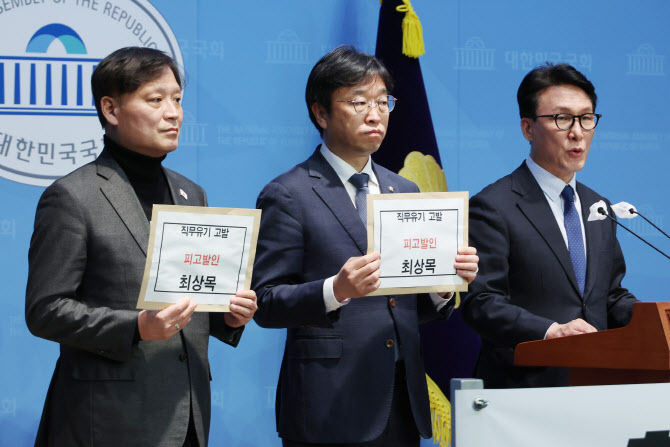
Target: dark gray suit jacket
<point>337,374</point>
<point>526,280</point>
<point>86,262</point>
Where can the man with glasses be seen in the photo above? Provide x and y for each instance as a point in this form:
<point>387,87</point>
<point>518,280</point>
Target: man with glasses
<point>352,372</point>
<point>546,270</point>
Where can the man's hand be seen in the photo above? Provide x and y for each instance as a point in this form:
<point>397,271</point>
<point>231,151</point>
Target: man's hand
<point>357,277</point>
<point>163,324</point>
<point>575,327</point>
<point>242,308</point>
<point>467,263</point>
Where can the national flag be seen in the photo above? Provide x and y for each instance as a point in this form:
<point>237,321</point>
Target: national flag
<point>450,347</point>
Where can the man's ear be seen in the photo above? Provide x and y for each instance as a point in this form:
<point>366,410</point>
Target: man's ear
<point>320,114</point>
<point>527,128</point>
<point>108,106</point>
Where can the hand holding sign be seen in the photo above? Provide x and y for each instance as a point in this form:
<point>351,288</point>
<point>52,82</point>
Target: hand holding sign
<point>467,263</point>
<point>161,325</point>
<point>242,308</point>
<point>358,277</point>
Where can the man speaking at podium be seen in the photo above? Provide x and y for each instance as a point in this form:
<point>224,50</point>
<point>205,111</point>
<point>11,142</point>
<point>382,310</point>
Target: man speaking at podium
<point>124,377</point>
<point>545,270</point>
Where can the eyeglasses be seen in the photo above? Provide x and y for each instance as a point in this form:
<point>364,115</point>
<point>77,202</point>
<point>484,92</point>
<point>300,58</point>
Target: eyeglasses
<point>385,104</point>
<point>565,121</point>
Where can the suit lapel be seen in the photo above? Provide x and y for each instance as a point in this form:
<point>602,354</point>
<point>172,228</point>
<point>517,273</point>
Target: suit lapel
<point>177,194</point>
<point>328,186</point>
<point>592,247</point>
<point>120,194</point>
<point>386,183</point>
<point>533,204</point>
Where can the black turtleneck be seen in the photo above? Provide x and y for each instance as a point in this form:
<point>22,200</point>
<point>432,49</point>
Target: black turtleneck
<point>145,173</point>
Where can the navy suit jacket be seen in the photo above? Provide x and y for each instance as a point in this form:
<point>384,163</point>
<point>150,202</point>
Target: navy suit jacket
<point>526,281</point>
<point>337,375</point>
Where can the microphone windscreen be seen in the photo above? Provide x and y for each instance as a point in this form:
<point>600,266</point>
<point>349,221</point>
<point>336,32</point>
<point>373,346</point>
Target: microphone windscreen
<point>598,211</point>
<point>624,210</point>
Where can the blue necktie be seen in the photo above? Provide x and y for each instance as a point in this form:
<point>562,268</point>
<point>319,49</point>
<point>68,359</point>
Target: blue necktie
<point>573,228</point>
<point>360,181</point>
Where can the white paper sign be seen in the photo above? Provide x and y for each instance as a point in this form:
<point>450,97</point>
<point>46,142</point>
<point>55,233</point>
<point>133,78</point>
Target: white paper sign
<point>202,253</point>
<point>418,236</point>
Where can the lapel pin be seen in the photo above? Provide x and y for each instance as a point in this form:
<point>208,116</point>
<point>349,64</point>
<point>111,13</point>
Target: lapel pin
<point>390,188</point>
<point>183,194</point>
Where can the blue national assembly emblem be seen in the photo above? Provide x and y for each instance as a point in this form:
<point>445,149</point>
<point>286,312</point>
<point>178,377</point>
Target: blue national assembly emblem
<point>645,62</point>
<point>51,95</point>
<point>287,49</point>
<point>474,56</point>
<point>49,124</point>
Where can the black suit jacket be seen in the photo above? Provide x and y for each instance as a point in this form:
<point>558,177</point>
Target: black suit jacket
<point>526,280</point>
<point>86,262</point>
<point>337,375</point>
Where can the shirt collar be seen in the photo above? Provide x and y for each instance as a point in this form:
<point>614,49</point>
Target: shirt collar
<point>344,170</point>
<point>550,184</point>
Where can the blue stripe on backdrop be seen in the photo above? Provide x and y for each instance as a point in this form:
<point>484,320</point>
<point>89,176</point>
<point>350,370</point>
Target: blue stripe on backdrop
<point>246,122</point>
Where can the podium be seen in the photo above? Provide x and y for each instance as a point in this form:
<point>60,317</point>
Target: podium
<point>636,353</point>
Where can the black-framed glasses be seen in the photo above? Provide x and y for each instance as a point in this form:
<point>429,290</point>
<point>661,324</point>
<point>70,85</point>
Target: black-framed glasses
<point>385,104</point>
<point>565,121</point>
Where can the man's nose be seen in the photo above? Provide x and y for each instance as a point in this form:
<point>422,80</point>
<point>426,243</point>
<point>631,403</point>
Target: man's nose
<point>172,109</point>
<point>373,113</point>
<point>576,131</point>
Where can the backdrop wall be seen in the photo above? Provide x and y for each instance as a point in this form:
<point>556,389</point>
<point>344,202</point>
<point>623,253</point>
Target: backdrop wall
<point>246,122</point>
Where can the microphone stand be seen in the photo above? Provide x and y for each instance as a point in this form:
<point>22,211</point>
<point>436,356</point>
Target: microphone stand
<point>602,211</point>
<point>650,222</point>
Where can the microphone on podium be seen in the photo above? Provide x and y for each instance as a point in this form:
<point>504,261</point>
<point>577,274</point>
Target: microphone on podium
<point>625,211</point>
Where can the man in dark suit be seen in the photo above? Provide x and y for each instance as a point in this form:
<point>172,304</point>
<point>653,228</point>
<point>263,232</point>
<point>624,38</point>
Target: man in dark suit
<point>352,372</point>
<point>546,271</point>
<point>124,377</point>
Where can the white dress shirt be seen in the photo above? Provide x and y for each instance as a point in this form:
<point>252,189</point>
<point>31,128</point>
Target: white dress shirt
<point>552,187</point>
<point>344,171</point>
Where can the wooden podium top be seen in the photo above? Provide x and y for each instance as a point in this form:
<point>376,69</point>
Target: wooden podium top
<point>643,344</point>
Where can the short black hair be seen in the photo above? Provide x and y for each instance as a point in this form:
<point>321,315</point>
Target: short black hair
<point>126,69</point>
<point>343,67</point>
<point>549,75</point>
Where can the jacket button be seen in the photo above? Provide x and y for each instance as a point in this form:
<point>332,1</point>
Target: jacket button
<point>182,357</point>
<point>392,302</point>
<point>390,343</point>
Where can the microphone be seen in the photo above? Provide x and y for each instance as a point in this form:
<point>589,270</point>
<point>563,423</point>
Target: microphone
<point>627,211</point>
<point>601,210</point>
